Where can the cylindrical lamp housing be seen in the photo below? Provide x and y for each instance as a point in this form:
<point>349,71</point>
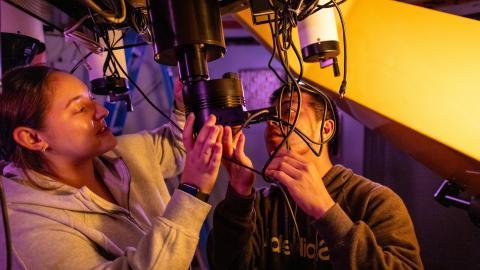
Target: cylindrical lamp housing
<point>318,35</point>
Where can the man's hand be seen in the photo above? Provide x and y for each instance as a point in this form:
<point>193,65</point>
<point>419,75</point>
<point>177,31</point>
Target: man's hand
<point>203,154</point>
<point>303,182</point>
<point>241,179</point>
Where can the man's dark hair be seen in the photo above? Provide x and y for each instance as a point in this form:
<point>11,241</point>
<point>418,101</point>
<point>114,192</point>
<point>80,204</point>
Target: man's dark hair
<point>318,104</point>
<point>23,102</point>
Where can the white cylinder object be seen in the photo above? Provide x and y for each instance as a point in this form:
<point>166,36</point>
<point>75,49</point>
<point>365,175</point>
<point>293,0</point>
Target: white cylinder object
<point>95,62</point>
<point>15,21</point>
<point>318,35</point>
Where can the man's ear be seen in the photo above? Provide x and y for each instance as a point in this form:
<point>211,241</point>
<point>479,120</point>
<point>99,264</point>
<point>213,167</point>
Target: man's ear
<point>29,138</point>
<point>328,129</point>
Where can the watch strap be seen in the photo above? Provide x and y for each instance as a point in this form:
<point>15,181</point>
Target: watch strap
<point>194,191</point>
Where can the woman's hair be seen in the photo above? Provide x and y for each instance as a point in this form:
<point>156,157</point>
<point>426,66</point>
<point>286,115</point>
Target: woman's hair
<point>23,102</point>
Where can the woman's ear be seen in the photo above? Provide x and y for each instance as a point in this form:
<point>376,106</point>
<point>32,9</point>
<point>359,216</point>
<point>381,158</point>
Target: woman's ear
<point>29,138</point>
<point>328,129</point>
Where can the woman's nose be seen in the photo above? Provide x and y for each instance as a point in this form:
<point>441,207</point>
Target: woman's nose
<point>100,111</point>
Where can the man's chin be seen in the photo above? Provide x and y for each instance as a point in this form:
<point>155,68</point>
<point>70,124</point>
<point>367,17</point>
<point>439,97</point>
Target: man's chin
<point>299,148</point>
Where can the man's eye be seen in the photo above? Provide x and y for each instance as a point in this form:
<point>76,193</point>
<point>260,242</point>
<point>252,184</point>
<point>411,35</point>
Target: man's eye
<point>82,109</point>
<point>286,111</point>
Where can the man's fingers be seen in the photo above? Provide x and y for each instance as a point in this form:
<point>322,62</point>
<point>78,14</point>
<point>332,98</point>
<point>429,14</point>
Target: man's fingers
<point>293,155</point>
<point>237,137</point>
<point>188,140</point>
<point>281,177</point>
<point>280,165</point>
<point>291,158</point>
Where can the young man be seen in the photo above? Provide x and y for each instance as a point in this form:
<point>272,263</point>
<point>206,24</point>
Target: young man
<point>345,221</point>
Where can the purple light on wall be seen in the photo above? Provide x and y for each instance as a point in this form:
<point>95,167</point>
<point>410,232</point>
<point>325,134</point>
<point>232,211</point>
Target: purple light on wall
<point>258,85</point>
<point>326,63</point>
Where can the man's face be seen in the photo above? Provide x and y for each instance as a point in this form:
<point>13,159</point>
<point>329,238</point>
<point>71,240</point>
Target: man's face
<point>74,124</point>
<point>307,123</point>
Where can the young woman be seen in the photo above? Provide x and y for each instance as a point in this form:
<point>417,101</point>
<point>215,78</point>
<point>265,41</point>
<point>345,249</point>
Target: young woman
<point>79,198</point>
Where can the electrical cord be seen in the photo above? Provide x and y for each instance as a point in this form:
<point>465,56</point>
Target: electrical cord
<point>79,63</point>
<point>76,25</point>
<point>281,36</point>
<point>331,4</point>
<point>142,93</point>
<point>252,117</point>
<point>335,4</point>
<point>281,32</point>
<point>289,206</point>
<point>282,39</point>
<point>84,58</point>
<point>343,86</point>
<point>160,111</point>
<point>115,60</point>
<point>111,17</point>
<point>139,21</point>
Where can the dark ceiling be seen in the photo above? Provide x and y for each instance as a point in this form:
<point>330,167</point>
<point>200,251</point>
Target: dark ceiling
<point>465,8</point>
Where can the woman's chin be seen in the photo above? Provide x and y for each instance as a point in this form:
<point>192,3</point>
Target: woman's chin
<point>108,143</point>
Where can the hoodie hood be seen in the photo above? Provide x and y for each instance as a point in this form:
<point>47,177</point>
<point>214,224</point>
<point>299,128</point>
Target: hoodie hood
<point>27,187</point>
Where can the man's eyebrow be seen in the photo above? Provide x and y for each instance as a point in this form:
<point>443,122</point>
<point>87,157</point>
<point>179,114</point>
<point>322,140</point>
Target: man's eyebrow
<point>73,99</point>
<point>287,102</point>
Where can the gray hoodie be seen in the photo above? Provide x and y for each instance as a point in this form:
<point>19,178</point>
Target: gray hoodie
<point>56,226</point>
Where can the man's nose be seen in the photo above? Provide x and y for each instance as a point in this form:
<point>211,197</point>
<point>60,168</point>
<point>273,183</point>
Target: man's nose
<point>272,123</point>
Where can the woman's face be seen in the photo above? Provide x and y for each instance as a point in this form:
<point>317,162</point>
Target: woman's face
<point>74,125</point>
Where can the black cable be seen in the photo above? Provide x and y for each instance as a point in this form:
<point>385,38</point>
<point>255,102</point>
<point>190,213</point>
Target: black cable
<point>110,55</point>
<point>165,115</point>
<point>273,54</point>
<point>6,226</point>
<point>290,209</point>
<point>129,46</point>
<point>79,63</point>
<point>343,86</point>
<point>124,33</point>
<point>142,93</point>
<point>331,4</point>
<point>327,105</point>
<point>290,80</point>
<point>289,133</point>
<point>281,36</point>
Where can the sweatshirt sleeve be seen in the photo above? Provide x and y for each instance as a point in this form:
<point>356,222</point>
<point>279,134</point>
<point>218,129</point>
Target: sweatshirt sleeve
<point>170,243</point>
<point>384,239</point>
<point>168,145</point>
<point>232,243</point>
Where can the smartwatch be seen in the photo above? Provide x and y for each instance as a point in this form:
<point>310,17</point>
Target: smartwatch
<point>194,191</point>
